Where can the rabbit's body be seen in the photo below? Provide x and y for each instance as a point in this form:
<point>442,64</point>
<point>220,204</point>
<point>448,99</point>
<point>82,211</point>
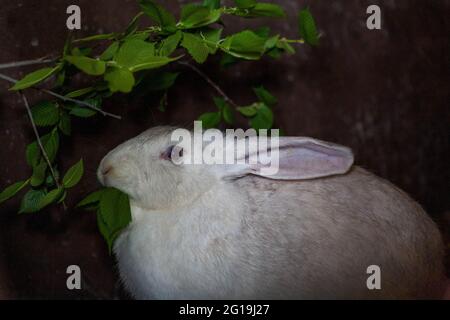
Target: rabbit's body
<point>260,238</point>
<point>223,231</point>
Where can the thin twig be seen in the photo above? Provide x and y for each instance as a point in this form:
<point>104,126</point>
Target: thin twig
<point>211,82</point>
<point>16,64</point>
<point>38,139</point>
<point>7,78</point>
<point>64,98</point>
<point>81,103</point>
<point>41,146</point>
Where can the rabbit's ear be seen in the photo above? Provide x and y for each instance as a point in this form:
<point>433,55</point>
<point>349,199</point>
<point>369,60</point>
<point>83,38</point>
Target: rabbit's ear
<point>294,158</point>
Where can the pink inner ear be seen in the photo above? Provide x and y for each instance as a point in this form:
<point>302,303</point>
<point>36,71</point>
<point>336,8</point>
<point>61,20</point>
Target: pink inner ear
<point>307,160</point>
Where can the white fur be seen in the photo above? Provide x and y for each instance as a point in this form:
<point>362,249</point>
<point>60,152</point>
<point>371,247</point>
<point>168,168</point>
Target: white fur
<point>195,235</point>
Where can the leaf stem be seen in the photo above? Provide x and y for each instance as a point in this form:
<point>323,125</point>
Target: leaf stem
<point>209,81</point>
<point>230,10</point>
<point>293,40</point>
<point>151,29</point>
<point>64,98</point>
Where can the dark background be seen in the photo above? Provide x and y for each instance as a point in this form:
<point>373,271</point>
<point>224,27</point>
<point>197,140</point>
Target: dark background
<point>384,93</point>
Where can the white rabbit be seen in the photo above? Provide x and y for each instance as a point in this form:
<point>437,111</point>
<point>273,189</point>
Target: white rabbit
<point>222,232</point>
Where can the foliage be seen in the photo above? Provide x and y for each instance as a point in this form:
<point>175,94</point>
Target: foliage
<point>132,60</point>
<point>113,212</point>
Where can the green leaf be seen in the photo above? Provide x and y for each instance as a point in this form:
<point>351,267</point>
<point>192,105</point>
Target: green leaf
<point>90,66</point>
<point>62,197</point>
<point>265,96</point>
<point>138,55</point>
<point>219,102</point>
<point>96,101</point>
<point>80,52</point>
<point>91,199</point>
<point>67,45</point>
<point>33,154</point>
<point>114,206</point>
<point>132,26</point>
<point>245,4</point>
<point>210,119</point>
<point>228,60</point>
<point>82,112</point>
<point>49,198</point>
<point>109,52</point>
<point>34,78</point>
<point>307,27</point>
<point>225,109</point>
<point>142,35</point>
<point>169,44</point>
<point>73,175</point>
<point>274,53</point>
<point>212,38</point>
<point>45,113</point>
<point>195,16</point>
<point>12,190</point>
<point>248,111</point>
<point>65,124</point>
<point>271,42</point>
<point>267,10</point>
<point>60,78</point>
<point>30,201</point>
<point>160,15</point>
<point>212,4</point>
<point>228,114</point>
<point>51,144</point>
<point>153,63</point>
<point>245,44</point>
<point>104,231</point>
<point>119,79</point>
<point>79,92</point>
<point>196,47</point>
<point>134,52</point>
<point>114,214</point>
<point>263,118</point>
<point>160,81</point>
<point>38,176</point>
<point>284,45</point>
<point>50,181</point>
<point>263,32</point>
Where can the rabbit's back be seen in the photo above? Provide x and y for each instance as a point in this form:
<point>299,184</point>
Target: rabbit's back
<point>316,238</point>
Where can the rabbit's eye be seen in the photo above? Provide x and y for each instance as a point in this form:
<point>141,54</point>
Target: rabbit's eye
<point>172,152</point>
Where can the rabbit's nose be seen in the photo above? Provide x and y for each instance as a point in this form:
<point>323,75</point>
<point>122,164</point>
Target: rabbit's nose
<point>106,169</point>
<point>103,172</point>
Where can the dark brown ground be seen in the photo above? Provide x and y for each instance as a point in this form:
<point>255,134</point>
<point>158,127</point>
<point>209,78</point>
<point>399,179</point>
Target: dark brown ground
<point>383,93</point>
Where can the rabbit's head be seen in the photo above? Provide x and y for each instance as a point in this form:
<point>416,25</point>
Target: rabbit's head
<point>145,167</point>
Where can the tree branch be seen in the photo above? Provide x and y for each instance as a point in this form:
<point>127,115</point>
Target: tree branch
<point>210,82</point>
<point>64,98</point>
<point>38,139</point>
<point>81,103</point>
<point>25,63</point>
